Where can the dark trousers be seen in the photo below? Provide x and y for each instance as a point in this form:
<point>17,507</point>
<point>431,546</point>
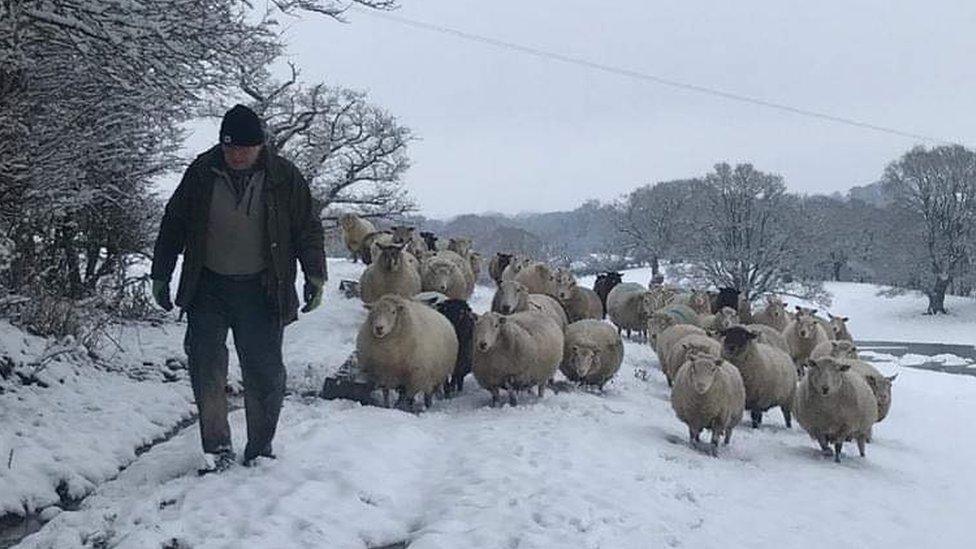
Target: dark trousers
<point>239,304</point>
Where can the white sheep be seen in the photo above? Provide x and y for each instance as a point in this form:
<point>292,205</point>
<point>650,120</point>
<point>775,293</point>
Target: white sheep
<point>538,277</point>
<point>838,326</point>
<point>515,265</point>
<point>460,246</point>
<point>725,318</point>
<point>512,297</point>
<point>407,346</point>
<point>516,352</point>
<point>879,383</point>
<point>662,319</point>
<point>592,352</point>
<point>354,230</point>
<point>708,394</point>
<point>580,302</point>
<point>774,314</point>
<point>369,250</point>
<point>448,273</point>
<point>803,334</point>
<point>391,273</point>
<point>691,343</point>
<point>697,300</point>
<point>413,242</point>
<point>770,336</point>
<point>834,404</point>
<point>624,307</point>
<point>665,341</point>
<point>768,373</point>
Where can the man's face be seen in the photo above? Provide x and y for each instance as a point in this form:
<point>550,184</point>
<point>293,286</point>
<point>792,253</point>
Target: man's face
<point>241,157</point>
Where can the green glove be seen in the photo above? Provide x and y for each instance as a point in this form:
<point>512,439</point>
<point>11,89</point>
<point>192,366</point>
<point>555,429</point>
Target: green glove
<point>314,287</point>
<point>160,292</point>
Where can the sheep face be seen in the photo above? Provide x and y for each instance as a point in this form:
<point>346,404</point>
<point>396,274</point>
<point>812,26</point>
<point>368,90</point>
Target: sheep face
<point>881,387</point>
<point>390,256</point>
<point>825,375</point>
<point>806,326</point>
<point>565,282</point>
<point>703,370</point>
<point>649,304</point>
<point>838,324</point>
<point>461,246</point>
<point>347,220</point>
<point>383,317</point>
<point>402,233</point>
<point>487,330</point>
<point>441,275</point>
<point>657,323</point>
<point>775,308</point>
<point>510,295</point>
<point>735,341</point>
<point>843,349</point>
<point>583,360</point>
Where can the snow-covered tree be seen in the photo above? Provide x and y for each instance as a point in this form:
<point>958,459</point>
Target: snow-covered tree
<point>935,192</point>
<point>746,236</point>
<point>353,152</point>
<point>655,220</point>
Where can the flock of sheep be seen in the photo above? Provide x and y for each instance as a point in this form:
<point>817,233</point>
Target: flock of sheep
<point>720,358</point>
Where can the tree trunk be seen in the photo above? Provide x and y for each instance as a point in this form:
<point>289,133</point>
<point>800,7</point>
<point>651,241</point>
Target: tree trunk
<point>655,265</point>
<point>838,265</point>
<point>937,296</point>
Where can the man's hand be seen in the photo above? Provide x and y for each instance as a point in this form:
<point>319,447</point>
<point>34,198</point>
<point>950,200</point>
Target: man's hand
<point>160,292</point>
<point>313,293</point>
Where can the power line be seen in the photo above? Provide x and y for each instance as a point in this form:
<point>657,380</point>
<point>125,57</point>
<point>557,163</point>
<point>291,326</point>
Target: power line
<point>646,77</point>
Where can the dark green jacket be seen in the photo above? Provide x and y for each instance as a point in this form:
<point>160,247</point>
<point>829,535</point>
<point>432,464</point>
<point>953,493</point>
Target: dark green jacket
<point>294,230</point>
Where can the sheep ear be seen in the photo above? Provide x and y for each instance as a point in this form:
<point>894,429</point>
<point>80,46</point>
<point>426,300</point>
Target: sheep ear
<point>368,306</point>
<point>843,367</point>
<point>718,361</point>
<point>892,378</point>
<point>844,318</point>
<point>798,308</point>
<point>502,319</point>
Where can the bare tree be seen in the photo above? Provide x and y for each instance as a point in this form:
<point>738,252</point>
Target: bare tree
<point>747,239</point>
<point>353,152</point>
<point>936,189</point>
<point>654,219</point>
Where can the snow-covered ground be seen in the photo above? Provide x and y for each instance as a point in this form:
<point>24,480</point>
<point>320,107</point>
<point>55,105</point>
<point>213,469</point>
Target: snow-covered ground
<point>574,469</point>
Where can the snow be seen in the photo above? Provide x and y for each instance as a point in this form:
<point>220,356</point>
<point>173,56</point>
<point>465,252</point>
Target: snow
<point>573,469</point>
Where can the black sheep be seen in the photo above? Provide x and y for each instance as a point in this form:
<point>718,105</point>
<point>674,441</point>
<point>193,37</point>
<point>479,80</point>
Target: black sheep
<point>604,283</point>
<point>727,297</point>
<point>462,318</point>
<point>430,239</point>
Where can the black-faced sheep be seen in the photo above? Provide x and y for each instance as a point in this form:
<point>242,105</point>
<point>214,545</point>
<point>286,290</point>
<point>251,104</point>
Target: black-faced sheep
<point>430,240</point>
<point>768,373</point>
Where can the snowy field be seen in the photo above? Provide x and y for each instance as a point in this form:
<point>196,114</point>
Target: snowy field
<point>574,469</point>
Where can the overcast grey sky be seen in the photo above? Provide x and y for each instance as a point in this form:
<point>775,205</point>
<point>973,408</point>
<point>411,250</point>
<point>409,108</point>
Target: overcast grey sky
<point>505,131</point>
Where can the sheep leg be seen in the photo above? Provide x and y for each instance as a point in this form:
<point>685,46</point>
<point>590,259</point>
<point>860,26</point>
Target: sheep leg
<point>825,446</point>
<point>428,400</point>
<point>512,397</point>
<point>542,390</point>
<point>787,417</point>
<point>756,418</point>
<point>716,436</point>
<point>693,435</point>
<point>629,335</point>
<point>860,444</point>
<point>838,446</point>
<point>495,398</point>
<point>728,435</point>
<point>386,397</point>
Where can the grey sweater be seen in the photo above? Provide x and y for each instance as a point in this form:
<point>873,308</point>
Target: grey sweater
<point>236,226</point>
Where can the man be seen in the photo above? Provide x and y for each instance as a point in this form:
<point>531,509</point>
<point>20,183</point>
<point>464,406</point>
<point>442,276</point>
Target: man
<point>241,216</point>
